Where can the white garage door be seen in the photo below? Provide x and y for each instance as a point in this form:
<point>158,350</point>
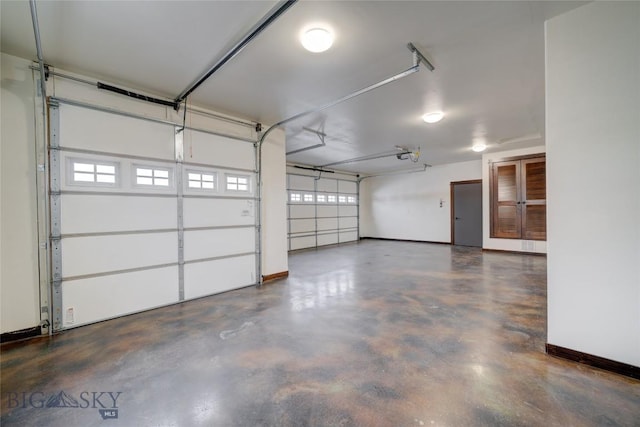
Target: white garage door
<point>140,222</point>
<point>321,211</point>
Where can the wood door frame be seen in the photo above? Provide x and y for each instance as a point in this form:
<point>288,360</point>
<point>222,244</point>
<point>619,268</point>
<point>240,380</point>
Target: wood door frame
<point>452,184</point>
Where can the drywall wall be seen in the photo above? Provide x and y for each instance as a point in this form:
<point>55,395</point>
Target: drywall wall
<point>274,204</point>
<point>19,291</point>
<point>20,298</point>
<point>517,245</point>
<point>408,206</point>
<point>593,170</point>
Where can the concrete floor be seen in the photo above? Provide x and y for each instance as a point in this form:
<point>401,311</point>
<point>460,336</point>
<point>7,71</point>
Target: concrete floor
<point>371,334</point>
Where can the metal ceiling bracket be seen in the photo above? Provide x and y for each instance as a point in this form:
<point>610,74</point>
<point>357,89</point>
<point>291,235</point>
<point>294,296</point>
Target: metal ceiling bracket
<point>267,20</point>
<point>320,135</point>
<point>418,57</point>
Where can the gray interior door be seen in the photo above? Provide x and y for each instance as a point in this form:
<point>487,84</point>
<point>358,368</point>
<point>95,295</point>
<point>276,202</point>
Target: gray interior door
<point>467,214</point>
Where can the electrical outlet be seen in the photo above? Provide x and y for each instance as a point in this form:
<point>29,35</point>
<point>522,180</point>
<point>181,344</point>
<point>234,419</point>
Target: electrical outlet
<point>70,316</point>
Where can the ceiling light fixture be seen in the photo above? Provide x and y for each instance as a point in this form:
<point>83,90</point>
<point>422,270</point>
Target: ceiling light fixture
<point>317,39</point>
<point>434,117</point>
<point>479,147</point>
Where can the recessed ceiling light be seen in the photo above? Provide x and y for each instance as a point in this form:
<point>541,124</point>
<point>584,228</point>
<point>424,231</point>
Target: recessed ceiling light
<point>479,146</point>
<point>317,39</point>
<point>434,117</point>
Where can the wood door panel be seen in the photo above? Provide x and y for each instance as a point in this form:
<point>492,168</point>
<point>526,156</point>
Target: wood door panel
<point>507,182</point>
<point>507,223</point>
<point>534,179</point>
<point>534,222</point>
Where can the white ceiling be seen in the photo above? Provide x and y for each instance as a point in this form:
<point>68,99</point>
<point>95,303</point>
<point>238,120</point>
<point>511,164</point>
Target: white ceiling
<point>489,59</point>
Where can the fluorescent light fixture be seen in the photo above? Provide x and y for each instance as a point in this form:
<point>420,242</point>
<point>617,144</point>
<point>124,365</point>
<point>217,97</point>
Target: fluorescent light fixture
<point>433,117</point>
<point>317,39</point>
<point>479,146</point>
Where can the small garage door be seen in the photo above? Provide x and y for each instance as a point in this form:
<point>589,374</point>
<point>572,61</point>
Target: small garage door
<point>321,211</point>
<point>136,227</point>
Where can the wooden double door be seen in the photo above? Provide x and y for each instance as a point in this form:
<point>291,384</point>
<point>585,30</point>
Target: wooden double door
<point>518,198</point>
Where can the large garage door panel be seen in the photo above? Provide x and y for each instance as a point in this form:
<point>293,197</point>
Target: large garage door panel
<point>327,239</point>
<point>302,225</point>
<point>127,213</point>
<point>348,222</point>
<point>104,297</point>
<point>217,150</point>
<point>347,211</point>
<point>302,211</point>
<point>210,277</point>
<point>328,185</point>
<point>327,211</point>
<point>349,187</point>
<point>203,244</point>
<point>297,182</point>
<point>112,213</point>
<point>322,211</point>
<point>302,242</point>
<point>102,254</point>
<point>348,236</point>
<point>203,212</point>
<point>327,224</point>
<point>114,134</point>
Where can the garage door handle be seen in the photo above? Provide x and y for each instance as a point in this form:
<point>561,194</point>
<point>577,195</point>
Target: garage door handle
<point>457,218</point>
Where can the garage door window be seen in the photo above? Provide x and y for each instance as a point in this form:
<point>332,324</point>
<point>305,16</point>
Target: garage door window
<point>90,172</point>
<point>154,177</point>
<point>238,183</point>
<point>203,181</point>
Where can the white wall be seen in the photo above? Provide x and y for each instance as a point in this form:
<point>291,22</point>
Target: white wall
<point>274,206</point>
<point>407,206</point>
<point>19,293</point>
<point>593,170</point>
<point>19,285</point>
<point>517,245</point>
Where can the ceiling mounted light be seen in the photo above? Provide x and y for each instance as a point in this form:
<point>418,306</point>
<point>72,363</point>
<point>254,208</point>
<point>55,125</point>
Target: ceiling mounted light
<point>434,117</point>
<point>479,147</point>
<point>317,39</point>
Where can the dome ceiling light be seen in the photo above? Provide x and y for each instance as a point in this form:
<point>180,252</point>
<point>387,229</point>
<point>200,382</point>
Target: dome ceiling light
<point>433,117</point>
<point>479,147</point>
<point>316,39</point>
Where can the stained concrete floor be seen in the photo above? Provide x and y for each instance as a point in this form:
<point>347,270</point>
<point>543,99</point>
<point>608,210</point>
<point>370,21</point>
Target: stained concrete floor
<point>371,334</point>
